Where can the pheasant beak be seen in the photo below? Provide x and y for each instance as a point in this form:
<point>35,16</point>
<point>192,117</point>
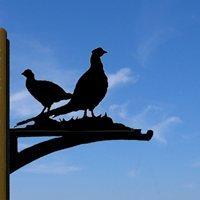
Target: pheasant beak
<point>105,52</point>
<point>23,73</point>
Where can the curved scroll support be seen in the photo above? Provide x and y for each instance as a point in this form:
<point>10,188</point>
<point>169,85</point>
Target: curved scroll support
<point>69,140</point>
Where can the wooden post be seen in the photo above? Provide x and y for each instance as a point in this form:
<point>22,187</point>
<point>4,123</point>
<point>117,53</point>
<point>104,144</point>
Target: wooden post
<point>4,185</point>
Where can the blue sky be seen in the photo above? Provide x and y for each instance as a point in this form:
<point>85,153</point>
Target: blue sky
<point>153,68</point>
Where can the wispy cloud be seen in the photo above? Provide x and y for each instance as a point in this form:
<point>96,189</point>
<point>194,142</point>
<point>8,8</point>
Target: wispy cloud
<point>147,115</point>
<point>18,96</point>
<point>196,164</point>
<point>151,117</point>
<point>121,110</point>
<point>149,46</point>
<point>190,185</point>
<point>22,104</point>
<point>133,173</point>
<point>163,127</point>
<point>41,57</point>
<point>57,168</point>
<point>123,76</point>
<point>39,47</point>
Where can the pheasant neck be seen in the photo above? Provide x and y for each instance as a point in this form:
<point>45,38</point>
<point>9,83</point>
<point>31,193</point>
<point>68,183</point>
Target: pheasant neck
<point>32,78</point>
<point>95,62</point>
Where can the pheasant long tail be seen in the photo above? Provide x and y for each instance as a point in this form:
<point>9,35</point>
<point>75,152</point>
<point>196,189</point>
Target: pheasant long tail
<point>62,110</point>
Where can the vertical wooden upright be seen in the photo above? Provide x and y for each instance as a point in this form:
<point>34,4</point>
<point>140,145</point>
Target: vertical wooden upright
<point>3,115</point>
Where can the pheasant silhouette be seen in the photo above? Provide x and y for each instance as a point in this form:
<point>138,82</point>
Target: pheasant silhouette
<point>90,89</point>
<point>45,92</point>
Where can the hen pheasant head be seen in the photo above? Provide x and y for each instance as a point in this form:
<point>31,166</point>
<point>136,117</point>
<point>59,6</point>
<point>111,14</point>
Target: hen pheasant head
<point>28,73</point>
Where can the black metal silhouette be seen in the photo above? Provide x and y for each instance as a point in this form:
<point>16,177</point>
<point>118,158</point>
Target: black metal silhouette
<point>66,139</point>
<point>100,123</point>
<point>90,89</point>
<point>45,92</point>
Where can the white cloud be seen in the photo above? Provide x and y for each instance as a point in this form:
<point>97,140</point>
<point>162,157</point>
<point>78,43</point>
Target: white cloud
<point>57,168</point>
<point>122,76</point>
<point>18,96</point>
<point>163,127</point>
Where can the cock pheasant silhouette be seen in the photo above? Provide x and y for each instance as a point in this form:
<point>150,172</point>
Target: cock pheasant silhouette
<point>90,89</point>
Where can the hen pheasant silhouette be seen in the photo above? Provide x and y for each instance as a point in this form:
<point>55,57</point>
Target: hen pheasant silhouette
<point>90,89</point>
<point>45,92</point>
